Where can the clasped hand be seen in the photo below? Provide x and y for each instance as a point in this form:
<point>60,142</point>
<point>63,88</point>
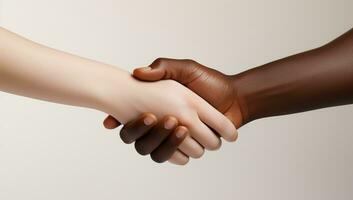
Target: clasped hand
<point>179,118</point>
<point>176,123</point>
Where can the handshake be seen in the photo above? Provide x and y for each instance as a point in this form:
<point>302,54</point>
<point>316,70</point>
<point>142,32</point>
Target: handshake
<point>190,124</point>
<point>174,109</point>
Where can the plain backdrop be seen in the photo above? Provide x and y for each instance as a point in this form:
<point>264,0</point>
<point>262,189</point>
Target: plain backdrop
<point>51,151</point>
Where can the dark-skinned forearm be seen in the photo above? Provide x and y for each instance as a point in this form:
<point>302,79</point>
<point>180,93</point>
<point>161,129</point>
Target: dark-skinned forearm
<point>315,79</point>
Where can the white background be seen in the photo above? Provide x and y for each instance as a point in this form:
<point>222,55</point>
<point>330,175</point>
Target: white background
<point>50,151</point>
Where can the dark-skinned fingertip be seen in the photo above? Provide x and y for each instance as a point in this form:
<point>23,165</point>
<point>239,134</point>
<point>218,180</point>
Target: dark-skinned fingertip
<point>141,150</point>
<point>157,159</point>
<point>124,138</point>
<point>139,70</point>
<point>108,124</point>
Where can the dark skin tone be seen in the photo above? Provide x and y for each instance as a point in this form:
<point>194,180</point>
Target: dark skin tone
<point>151,136</point>
<point>319,78</point>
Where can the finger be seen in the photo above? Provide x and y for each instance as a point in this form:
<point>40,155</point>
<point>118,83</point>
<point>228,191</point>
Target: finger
<point>149,74</point>
<point>137,128</point>
<point>149,142</point>
<point>164,151</point>
<point>162,68</point>
<point>217,121</point>
<point>204,135</point>
<point>110,122</point>
<point>191,148</point>
<point>179,158</point>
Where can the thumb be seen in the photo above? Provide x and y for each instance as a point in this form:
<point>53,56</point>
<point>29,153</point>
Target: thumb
<point>149,73</point>
<point>161,68</point>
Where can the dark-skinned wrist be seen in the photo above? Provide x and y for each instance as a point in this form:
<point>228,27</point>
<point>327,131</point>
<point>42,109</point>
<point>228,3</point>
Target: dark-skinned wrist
<point>260,93</point>
<point>243,95</point>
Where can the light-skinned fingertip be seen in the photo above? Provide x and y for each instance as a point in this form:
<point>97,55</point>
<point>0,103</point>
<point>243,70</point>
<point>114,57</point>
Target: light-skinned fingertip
<point>149,120</point>
<point>233,136</point>
<point>180,163</point>
<point>181,132</point>
<point>170,123</point>
<point>198,154</point>
<point>232,133</point>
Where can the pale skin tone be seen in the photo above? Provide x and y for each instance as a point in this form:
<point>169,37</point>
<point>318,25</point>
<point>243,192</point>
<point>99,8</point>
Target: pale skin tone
<point>32,70</point>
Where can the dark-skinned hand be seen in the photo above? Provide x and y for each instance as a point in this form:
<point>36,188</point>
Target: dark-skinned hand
<point>160,138</point>
<point>213,86</point>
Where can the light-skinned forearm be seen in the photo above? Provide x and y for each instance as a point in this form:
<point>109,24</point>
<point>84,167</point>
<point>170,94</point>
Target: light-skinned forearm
<point>36,71</point>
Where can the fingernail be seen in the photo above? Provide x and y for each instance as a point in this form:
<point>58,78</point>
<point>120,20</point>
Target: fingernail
<point>169,124</point>
<point>145,68</point>
<point>180,133</point>
<point>148,120</point>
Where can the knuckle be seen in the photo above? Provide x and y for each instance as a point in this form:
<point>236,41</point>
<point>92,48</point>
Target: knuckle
<point>189,61</point>
<point>187,110</point>
<point>158,61</point>
<point>188,118</point>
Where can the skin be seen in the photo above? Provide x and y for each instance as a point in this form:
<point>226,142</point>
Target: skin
<point>223,97</point>
<point>319,78</point>
<point>33,70</point>
<point>163,137</point>
<point>166,141</point>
